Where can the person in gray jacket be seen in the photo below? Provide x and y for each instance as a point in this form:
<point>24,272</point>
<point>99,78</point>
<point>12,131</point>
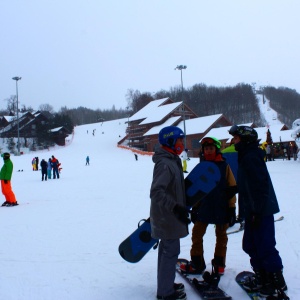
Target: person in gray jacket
<point>168,214</point>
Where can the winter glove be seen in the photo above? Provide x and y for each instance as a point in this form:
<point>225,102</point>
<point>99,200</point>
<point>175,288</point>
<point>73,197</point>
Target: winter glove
<point>231,216</point>
<point>181,214</point>
<point>255,221</point>
<point>5,181</point>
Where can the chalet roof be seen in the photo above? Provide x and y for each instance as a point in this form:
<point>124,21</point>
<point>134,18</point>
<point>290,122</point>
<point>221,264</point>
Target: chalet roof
<point>221,133</point>
<point>156,129</point>
<point>160,112</point>
<point>277,133</point>
<point>148,110</point>
<point>193,126</point>
<point>56,129</point>
<point>199,125</point>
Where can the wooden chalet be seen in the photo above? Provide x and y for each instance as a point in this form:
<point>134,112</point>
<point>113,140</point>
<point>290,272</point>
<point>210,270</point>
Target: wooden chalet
<point>155,113</point>
<point>59,135</point>
<point>196,129</point>
<point>144,126</point>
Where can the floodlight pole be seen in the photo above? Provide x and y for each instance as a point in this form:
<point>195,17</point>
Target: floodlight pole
<point>182,67</point>
<point>17,79</point>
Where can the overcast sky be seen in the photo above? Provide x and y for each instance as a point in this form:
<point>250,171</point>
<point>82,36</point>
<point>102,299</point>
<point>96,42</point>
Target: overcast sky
<point>90,52</point>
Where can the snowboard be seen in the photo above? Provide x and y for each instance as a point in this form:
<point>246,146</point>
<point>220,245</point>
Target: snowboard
<point>201,181</point>
<point>204,177</point>
<point>202,288</point>
<point>137,244</point>
<point>242,277</point>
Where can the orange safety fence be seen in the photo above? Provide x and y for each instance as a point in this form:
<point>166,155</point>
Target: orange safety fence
<point>136,150</point>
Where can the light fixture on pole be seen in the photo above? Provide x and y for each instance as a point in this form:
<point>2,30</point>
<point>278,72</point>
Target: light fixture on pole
<point>17,79</point>
<point>182,67</point>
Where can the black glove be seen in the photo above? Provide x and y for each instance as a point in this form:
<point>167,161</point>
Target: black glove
<point>5,181</point>
<point>181,214</point>
<point>255,221</point>
<point>231,216</point>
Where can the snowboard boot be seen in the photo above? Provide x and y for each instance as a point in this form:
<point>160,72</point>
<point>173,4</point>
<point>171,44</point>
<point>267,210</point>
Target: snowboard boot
<point>256,282</point>
<point>195,266</point>
<point>5,203</point>
<point>174,296</point>
<point>274,283</point>
<point>178,287</point>
<point>219,264</point>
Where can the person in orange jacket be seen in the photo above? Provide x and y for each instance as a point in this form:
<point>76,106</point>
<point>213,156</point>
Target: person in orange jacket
<point>5,177</point>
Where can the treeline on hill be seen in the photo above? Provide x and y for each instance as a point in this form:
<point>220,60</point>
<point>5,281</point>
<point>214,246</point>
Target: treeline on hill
<point>286,102</point>
<point>83,115</point>
<point>238,103</point>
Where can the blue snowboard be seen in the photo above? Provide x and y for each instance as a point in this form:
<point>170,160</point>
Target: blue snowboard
<point>200,182</point>
<point>135,246</point>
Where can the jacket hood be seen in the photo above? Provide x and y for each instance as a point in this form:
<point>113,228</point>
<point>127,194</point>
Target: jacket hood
<point>162,153</point>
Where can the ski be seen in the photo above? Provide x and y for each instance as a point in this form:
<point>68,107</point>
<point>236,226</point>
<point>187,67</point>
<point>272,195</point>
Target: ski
<point>242,226</point>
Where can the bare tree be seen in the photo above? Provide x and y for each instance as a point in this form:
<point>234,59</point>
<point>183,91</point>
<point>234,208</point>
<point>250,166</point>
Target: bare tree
<point>46,107</point>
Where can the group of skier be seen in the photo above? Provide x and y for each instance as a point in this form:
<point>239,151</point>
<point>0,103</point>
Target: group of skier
<point>47,167</point>
<point>169,216</point>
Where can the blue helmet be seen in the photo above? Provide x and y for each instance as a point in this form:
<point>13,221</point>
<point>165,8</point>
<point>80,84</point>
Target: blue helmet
<point>169,135</point>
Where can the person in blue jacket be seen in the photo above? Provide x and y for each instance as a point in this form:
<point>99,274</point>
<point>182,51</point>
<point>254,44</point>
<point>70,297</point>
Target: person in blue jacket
<point>259,201</point>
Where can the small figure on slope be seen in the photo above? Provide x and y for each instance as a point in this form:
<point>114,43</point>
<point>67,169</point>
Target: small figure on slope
<point>44,166</point>
<point>5,177</point>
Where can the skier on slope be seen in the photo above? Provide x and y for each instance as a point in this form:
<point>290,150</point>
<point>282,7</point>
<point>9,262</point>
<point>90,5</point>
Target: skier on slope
<point>184,158</point>
<point>168,213</point>
<point>257,194</point>
<point>5,177</point>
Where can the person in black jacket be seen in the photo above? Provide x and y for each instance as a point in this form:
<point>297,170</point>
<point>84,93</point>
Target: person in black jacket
<point>44,166</point>
<point>259,202</point>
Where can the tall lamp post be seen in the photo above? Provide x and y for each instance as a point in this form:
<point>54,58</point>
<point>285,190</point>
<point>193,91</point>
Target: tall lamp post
<point>182,67</point>
<point>17,79</point>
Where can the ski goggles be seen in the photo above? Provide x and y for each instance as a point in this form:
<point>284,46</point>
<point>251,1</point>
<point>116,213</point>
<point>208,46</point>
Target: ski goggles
<point>210,141</point>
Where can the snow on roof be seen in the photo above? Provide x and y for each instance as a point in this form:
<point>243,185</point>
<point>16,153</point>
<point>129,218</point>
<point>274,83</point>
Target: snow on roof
<point>198,125</point>
<point>160,112</point>
<point>56,129</point>
<point>192,126</point>
<point>9,118</point>
<point>276,135</point>
<point>147,110</point>
<point>221,133</point>
<point>156,129</point>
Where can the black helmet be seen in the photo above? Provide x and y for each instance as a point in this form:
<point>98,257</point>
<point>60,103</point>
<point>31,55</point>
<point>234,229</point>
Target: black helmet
<point>5,155</point>
<point>246,133</point>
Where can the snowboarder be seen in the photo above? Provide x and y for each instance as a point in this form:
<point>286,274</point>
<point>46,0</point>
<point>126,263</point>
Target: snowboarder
<point>168,214</point>
<point>44,166</point>
<point>136,156</point>
<point>55,162</point>
<point>259,200</point>
<point>49,168</point>
<point>5,177</point>
<point>218,208</point>
<point>87,161</point>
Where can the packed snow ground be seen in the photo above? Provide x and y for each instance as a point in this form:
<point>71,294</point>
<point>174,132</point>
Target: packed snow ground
<point>62,241</point>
